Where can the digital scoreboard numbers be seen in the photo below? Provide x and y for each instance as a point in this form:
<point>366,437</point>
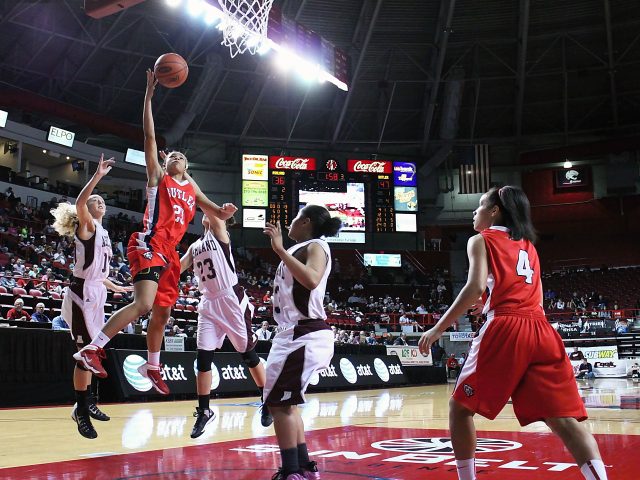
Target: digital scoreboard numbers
<point>279,204</point>
<point>384,215</point>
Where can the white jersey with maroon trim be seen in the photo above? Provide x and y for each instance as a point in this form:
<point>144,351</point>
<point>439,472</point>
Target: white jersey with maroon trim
<point>93,256</point>
<point>213,263</point>
<point>293,302</point>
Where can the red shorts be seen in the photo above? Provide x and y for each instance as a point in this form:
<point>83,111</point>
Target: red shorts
<point>523,358</point>
<point>156,254</point>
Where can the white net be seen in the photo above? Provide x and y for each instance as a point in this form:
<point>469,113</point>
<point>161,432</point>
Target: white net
<point>245,24</point>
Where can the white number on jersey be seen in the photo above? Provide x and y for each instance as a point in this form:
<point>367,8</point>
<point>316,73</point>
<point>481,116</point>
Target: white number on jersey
<point>179,213</point>
<point>523,268</point>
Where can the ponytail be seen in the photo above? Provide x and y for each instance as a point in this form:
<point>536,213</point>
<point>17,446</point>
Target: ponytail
<point>516,211</point>
<point>66,219</point>
<point>321,220</point>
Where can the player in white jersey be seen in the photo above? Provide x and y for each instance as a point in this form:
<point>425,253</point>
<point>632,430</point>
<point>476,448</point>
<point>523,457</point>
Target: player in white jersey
<point>83,304</point>
<point>304,342</point>
<point>224,311</point>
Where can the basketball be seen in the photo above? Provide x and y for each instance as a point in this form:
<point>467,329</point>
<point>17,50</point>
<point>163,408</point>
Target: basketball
<point>171,70</point>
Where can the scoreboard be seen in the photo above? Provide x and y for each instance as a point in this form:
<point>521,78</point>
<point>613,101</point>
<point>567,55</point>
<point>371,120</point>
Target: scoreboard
<point>366,194</point>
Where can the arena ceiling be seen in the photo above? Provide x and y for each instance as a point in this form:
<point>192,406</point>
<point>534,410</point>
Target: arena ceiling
<point>527,73</point>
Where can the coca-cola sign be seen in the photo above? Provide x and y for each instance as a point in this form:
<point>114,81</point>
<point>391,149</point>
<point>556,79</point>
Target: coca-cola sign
<point>369,166</point>
<point>292,163</point>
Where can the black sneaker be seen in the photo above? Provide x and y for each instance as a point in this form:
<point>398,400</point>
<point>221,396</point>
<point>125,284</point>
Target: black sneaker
<point>203,418</point>
<point>84,424</point>
<point>94,411</point>
<point>265,416</point>
<point>310,471</point>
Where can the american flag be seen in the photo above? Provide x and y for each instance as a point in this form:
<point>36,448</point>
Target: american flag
<point>475,174</point>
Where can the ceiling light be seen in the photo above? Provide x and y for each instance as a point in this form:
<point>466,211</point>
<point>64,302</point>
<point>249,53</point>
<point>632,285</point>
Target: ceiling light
<point>568,164</point>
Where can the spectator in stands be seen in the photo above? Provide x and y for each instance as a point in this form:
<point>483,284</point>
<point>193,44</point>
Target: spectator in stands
<point>58,323</point>
<point>401,340</point>
<point>453,365</point>
<point>576,354</point>
<point>267,297</point>
<point>7,281</point>
<point>371,339</point>
<point>421,309</point>
<point>264,333</point>
<point>19,267</point>
<point>362,337</point>
<point>437,353</point>
<point>390,339</point>
<point>17,312</point>
<point>39,315</point>
<point>462,359</point>
<point>585,370</point>
<point>405,319</point>
<point>560,304</point>
<point>635,370</point>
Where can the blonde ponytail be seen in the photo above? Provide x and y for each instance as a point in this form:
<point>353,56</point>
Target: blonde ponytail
<point>66,219</point>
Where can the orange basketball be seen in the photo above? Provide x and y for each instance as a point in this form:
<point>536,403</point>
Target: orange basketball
<point>171,70</point>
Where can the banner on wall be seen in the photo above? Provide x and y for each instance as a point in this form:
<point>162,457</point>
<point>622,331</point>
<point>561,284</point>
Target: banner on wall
<point>575,177</point>
<point>410,356</point>
<point>604,360</point>
<point>230,374</point>
<point>461,336</point>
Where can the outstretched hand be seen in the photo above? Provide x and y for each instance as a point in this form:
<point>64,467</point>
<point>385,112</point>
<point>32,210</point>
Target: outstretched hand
<point>275,234</point>
<point>227,210</point>
<point>427,339</point>
<point>152,81</point>
<point>105,166</point>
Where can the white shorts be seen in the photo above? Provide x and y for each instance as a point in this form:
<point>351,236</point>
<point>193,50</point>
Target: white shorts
<point>296,354</point>
<point>83,309</point>
<point>228,313</point>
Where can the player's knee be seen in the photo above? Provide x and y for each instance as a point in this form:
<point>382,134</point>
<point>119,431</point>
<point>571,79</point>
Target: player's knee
<point>456,409</point>
<point>561,425</point>
<point>204,359</point>
<point>250,358</point>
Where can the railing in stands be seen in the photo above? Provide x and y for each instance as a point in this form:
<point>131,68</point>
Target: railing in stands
<point>415,262</point>
<point>621,314</point>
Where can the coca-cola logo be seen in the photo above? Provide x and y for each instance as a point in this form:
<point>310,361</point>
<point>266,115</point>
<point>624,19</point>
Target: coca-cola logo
<point>292,163</point>
<point>369,166</point>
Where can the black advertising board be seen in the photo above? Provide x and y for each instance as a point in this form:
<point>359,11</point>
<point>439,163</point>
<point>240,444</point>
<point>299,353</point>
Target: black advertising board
<point>231,376</point>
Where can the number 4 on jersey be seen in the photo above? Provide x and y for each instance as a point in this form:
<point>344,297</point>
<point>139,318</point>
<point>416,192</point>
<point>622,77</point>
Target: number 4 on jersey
<point>523,268</point>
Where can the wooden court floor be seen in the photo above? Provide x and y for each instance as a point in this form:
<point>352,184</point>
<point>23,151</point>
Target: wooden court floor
<point>377,434</point>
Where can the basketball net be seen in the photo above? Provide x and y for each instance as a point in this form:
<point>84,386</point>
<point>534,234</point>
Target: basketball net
<point>245,24</point>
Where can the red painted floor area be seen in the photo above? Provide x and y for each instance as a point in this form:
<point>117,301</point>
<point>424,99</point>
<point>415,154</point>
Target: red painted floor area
<point>352,453</point>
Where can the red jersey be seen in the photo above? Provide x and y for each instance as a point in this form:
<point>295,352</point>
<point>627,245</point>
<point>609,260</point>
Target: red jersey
<point>171,206</point>
<point>514,274</point>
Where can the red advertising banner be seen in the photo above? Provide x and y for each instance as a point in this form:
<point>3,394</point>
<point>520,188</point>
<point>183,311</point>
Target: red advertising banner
<point>292,163</point>
<point>369,166</point>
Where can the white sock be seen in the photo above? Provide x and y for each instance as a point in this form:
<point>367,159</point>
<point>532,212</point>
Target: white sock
<point>153,358</point>
<point>594,470</point>
<point>100,340</point>
<point>466,469</point>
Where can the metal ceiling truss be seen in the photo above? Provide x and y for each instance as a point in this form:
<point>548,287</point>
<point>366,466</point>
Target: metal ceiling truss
<point>523,33</point>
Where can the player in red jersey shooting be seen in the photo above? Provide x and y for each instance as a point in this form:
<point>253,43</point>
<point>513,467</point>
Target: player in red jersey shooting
<point>172,197</point>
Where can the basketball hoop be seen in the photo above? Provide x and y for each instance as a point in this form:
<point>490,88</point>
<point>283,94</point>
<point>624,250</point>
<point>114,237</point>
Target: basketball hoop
<point>245,24</point>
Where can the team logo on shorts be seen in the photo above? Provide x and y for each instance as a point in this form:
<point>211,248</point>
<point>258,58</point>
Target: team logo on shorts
<point>147,255</point>
<point>468,390</point>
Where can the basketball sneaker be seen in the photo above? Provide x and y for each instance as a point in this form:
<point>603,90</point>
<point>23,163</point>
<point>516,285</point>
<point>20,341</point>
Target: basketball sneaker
<point>94,411</point>
<point>265,416</point>
<point>90,357</point>
<point>84,424</point>
<point>203,418</point>
<point>279,475</point>
<point>152,372</point>
<point>310,471</point>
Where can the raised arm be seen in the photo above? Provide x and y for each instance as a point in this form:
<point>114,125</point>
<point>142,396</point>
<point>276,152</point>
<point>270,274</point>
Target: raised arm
<point>186,261</point>
<point>211,209</point>
<point>308,273</point>
<point>85,220</point>
<point>154,169</point>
